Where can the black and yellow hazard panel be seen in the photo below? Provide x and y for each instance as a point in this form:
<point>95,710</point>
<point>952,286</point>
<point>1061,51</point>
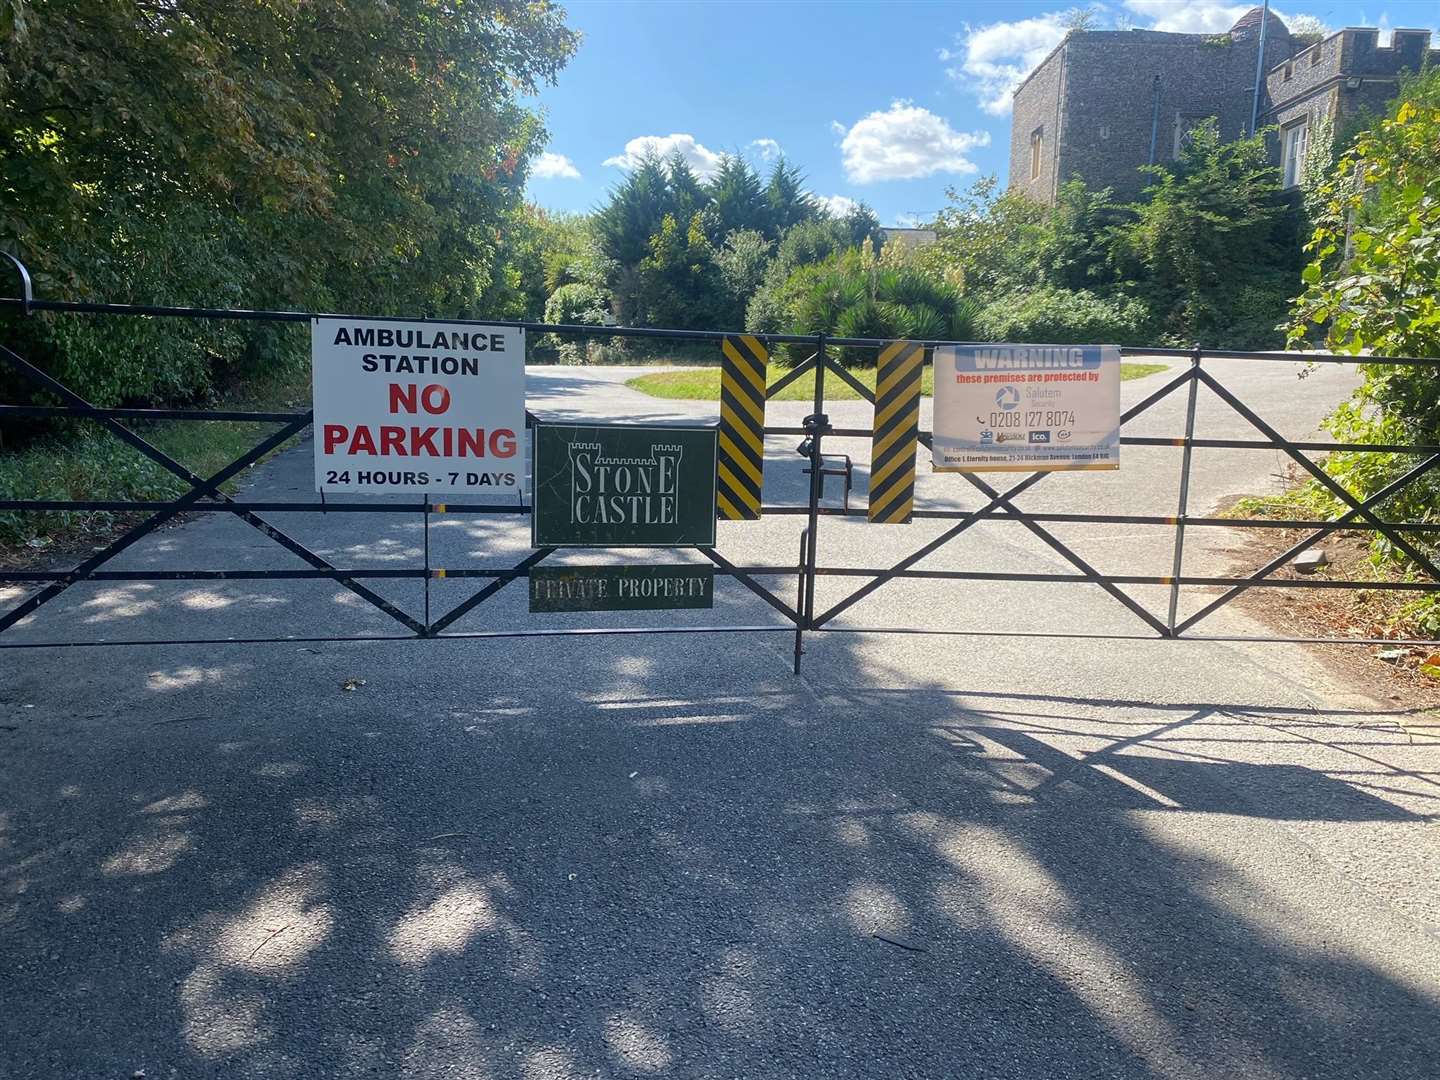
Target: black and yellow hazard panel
<point>740,463</point>
<point>896,432</point>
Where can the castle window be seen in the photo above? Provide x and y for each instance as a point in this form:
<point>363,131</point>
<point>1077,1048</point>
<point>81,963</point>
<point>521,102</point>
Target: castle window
<point>1037,143</point>
<point>1289,71</point>
<point>1315,54</point>
<point>1294,141</point>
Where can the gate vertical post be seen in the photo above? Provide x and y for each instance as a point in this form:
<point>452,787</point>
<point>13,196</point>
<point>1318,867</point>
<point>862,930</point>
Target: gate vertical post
<point>427,565</point>
<point>816,424</point>
<point>1176,566</point>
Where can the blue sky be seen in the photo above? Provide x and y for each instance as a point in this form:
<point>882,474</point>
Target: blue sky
<point>882,102</point>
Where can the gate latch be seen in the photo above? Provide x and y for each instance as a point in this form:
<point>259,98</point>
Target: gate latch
<point>815,425</point>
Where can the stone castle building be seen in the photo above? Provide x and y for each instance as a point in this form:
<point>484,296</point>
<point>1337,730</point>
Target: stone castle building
<point>1106,102</point>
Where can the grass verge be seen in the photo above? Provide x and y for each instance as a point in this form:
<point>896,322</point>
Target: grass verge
<point>83,461</point>
<point>1370,613</point>
<point>703,383</point>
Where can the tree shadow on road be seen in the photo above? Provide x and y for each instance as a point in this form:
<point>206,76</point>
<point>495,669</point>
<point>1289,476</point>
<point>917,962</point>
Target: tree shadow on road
<point>525,864</point>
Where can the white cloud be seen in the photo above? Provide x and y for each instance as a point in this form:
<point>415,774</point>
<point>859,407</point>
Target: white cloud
<point>996,58</point>
<point>550,166</point>
<point>906,142</point>
<point>834,205</point>
<point>703,160</point>
<point>992,60</point>
<point>767,149</point>
<point>1188,16</point>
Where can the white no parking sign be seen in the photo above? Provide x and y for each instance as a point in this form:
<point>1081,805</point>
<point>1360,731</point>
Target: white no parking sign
<point>418,406</point>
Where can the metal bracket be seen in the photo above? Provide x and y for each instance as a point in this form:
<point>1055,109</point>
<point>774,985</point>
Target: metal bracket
<point>847,470</point>
<point>27,289</point>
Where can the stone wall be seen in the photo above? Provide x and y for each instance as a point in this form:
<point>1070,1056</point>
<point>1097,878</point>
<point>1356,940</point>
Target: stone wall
<point>1094,98</point>
<point>1111,91</point>
<point>1344,76</point>
<point>1037,108</point>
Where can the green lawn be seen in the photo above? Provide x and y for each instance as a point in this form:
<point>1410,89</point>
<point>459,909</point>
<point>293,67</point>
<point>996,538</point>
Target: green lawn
<point>703,383</point>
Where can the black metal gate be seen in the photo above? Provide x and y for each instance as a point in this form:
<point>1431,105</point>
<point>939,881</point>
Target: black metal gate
<point>204,495</point>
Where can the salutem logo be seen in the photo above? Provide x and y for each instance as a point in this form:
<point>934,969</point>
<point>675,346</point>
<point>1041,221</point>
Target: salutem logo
<point>1007,398</point>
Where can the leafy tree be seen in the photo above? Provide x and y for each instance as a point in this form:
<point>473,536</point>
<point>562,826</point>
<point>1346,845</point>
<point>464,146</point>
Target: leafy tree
<point>687,193</point>
<point>260,154</point>
<point>786,199</point>
<point>852,294</point>
<point>678,281</point>
<point>737,197</point>
<point>575,303</point>
<point>570,251</point>
<point>816,239</point>
<point>810,242</point>
<point>991,239</point>
<point>624,227</point>
<point>741,263</point>
<point>636,208</point>
<point>1207,225</point>
<point>1373,283</point>
<point>1076,253</point>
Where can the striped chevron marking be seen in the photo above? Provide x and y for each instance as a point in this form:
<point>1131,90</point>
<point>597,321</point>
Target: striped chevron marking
<point>740,466</point>
<point>896,432</point>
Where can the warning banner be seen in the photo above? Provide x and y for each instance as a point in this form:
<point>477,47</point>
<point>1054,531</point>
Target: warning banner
<point>418,407</point>
<point>1031,408</point>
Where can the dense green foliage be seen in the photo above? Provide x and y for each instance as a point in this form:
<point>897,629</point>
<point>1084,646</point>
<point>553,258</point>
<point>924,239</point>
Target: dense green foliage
<point>1054,313</point>
<point>856,294</point>
<point>1209,253</point>
<point>1373,284</point>
<point>325,155</point>
<point>687,253</point>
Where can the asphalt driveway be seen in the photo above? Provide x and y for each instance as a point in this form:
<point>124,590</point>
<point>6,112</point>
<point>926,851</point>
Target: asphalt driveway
<point>979,855</point>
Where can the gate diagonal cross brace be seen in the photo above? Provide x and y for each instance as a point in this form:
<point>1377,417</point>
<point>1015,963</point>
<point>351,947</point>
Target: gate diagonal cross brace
<point>1001,501</point>
<point>1319,474</point>
<point>199,488</point>
<point>1358,508</point>
<point>1324,530</point>
<point>522,569</point>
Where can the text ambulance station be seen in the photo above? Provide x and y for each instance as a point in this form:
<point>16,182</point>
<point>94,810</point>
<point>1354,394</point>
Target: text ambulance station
<point>418,407</point>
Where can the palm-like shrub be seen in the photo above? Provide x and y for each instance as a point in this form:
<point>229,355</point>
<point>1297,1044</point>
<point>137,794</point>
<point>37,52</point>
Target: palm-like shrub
<point>850,295</point>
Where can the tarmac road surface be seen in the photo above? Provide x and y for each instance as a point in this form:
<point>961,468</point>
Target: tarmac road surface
<point>974,855</point>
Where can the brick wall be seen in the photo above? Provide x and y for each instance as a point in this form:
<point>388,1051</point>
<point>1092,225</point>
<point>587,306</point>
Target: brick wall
<point>1093,98</point>
<point>1110,99</point>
